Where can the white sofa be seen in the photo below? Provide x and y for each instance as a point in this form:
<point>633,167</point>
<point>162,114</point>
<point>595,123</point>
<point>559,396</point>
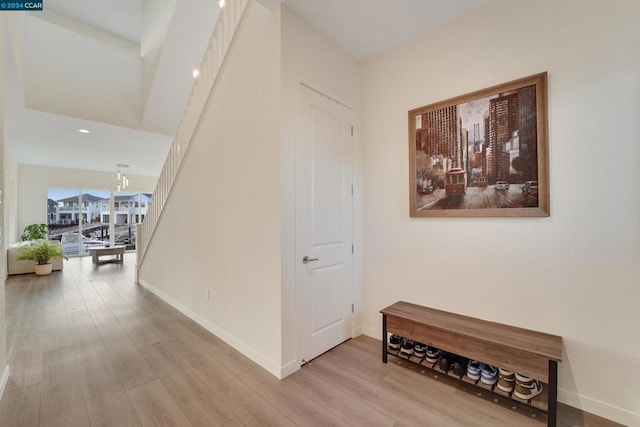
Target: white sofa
<point>21,267</point>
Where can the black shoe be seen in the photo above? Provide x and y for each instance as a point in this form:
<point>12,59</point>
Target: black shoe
<point>395,342</point>
<point>433,354</point>
<point>460,365</point>
<point>407,347</point>
<point>444,363</point>
<point>419,350</point>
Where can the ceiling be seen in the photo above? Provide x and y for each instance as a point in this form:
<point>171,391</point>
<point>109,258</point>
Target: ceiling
<point>123,69</point>
<point>367,28</point>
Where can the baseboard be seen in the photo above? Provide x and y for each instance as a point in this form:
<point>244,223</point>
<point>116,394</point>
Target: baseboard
<point>599,408</point>
<point>251,353</point>
<point>289,368</point>
<point>567,397</point>
<point>3,380</point>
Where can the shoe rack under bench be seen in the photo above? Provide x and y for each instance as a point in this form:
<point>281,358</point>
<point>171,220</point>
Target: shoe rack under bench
<point>531,353</point>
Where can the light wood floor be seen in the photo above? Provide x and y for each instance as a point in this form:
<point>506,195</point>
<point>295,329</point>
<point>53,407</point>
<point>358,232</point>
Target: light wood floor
<point>88,347</point>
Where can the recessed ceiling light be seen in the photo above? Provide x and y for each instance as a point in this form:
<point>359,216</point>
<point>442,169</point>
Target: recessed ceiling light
<point>83,131</point>
<point>196,73</point>
<point>221,3</point>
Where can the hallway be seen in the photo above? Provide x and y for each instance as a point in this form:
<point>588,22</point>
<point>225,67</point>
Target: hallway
<point>87,346</point>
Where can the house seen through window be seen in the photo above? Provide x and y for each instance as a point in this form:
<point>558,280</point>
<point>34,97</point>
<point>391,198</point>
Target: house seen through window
<point>79,229</point>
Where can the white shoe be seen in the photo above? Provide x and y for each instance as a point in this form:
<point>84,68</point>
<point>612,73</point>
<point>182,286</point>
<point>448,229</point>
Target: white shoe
<point>527,390</point>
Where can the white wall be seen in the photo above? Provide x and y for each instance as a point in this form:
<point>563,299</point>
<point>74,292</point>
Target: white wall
<point>221,226</point>
<point>10,197</point>
<point>308,57</point>
<point>574,274</point>
<point>34,182</point>
<point>4,368</point>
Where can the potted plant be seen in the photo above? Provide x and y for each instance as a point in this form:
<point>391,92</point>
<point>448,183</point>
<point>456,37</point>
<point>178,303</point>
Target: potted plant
<point>34,232</point>
<point>41,252</point>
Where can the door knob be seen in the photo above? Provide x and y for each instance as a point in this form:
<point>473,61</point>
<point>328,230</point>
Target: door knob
<point>306,259</point>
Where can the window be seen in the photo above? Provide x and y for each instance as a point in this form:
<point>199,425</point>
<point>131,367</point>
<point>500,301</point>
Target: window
<point>78,229</point>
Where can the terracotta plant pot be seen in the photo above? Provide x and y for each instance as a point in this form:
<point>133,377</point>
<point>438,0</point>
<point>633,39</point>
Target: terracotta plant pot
<point>43,269</point>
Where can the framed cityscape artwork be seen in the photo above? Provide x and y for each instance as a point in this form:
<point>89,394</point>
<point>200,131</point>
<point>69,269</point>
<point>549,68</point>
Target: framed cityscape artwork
<point>482,154</point>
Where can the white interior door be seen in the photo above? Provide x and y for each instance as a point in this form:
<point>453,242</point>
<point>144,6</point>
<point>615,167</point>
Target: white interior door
<point>324,164</point>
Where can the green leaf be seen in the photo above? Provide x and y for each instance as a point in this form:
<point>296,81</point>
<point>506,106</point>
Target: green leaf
<point>41,252</point>
<point>35,232</point>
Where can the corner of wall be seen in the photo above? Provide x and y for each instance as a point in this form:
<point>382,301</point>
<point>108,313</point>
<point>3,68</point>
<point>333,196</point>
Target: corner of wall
<point>289,368</point>
<point>4,378</point>
<point>3,258</point>
<point>10,198</point>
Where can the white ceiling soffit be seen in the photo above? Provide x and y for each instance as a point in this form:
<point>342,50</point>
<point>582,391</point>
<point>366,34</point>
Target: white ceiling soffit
<point>46,139</point>
<point>78,64</point>
<point>185,43</point>
<point>156,20</point>
<point>122,18</point>
<point>57,142</point>
<point>367,28</point>
<point>90,75</point>
<point>76,69</point>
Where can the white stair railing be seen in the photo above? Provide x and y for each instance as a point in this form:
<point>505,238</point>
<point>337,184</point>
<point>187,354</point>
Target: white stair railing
<point>224,32</point>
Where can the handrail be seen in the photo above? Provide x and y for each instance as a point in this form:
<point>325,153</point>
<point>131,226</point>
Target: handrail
<point>224,32</point>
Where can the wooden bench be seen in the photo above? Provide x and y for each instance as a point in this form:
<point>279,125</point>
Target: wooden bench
<point>118,251</point>
<point>531,353</point>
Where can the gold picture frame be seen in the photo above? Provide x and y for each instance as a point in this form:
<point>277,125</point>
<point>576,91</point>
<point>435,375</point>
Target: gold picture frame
<point>482,154</point>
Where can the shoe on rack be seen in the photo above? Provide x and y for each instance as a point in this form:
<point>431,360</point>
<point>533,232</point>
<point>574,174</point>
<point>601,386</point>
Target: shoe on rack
<point>506,380</point>
<point>474,370</point>
<point>527,388</point>
<point>407,347</point>
<point>433,354</point>
<point>395,342</point>
<point>489,375</point>
<point>445,362</point>
<point>460,365</point>
<point>419,350</point>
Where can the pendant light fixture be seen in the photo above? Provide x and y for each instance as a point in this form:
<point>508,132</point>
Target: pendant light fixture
<point>122,178</point>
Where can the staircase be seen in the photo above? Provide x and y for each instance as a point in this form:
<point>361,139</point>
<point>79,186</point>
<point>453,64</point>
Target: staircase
<point>224,32</point>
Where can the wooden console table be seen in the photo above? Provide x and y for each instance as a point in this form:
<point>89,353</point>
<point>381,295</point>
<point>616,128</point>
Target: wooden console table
<point>530,353</point>
<point>118,251</point>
